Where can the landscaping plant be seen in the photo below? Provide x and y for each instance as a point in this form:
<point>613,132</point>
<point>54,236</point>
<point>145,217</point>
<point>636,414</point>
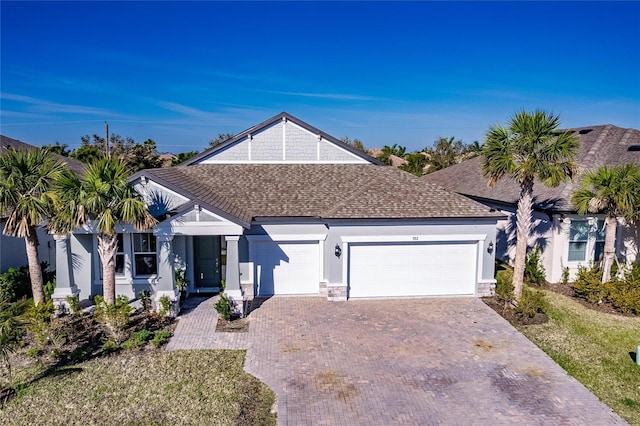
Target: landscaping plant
<point>115,317</point>
<point>534,271</point>
<point>223,307</point>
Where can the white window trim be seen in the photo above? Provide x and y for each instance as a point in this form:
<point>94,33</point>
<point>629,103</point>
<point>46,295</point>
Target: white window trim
<point>134,273</point>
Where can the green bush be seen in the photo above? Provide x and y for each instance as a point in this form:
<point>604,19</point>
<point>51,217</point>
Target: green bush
<point>145,299</point>
<point>74,304</point>
<point>223,307</point>
<point>160,338</point>
<point>532,302</point>
<point>588,284</point>
<point>624,292</point>
<point>504,285</point>
<point>115,317</point>
<point>137,339</point>
<point>534,272</point>
<point>110,346</point>
<point>166,306</point>
<point>565,275</point>
<point>15,284</point>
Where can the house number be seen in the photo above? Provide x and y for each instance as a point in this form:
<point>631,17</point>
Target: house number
<point>415,238</point>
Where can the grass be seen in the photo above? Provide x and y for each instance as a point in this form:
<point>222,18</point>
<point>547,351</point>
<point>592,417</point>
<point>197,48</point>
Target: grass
<point>143,387</point>
<point>595,348</point>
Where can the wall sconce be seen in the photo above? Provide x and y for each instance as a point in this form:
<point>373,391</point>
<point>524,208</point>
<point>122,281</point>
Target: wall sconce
<point>490,247</point>
<point>338,250</point>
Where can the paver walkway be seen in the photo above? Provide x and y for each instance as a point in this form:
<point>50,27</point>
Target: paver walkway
<point>397,362</point>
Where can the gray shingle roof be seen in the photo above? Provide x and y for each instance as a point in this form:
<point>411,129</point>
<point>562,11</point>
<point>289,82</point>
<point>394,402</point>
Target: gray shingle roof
<point>599,146</point>
<point>8,143</point>
<point>329,191</point>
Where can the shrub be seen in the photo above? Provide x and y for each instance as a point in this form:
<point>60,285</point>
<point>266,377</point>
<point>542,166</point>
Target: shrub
<point>160,338</point>
<point>504,285</point>
<point>15,284</point>
<point>110,346</point>
<point>624,292</point>
<point>145,299</point>
<point>166,306</point>
<point>565,275</point>
<point>115,317</point>
<point>137,339</point>
<point>34,352</point>
<point>588,284</point>
<point>45,328</point>
<point>534,272</point>
<point>532,302</point>
<point>74,304</point>
<point>223,307</point>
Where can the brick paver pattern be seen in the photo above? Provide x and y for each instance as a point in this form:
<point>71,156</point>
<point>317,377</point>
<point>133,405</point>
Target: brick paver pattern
<point>396,362</point>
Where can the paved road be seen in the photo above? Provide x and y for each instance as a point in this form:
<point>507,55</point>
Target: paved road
<point>398,362</point>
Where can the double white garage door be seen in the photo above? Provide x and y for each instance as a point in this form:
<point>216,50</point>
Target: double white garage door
<point>373,269</point>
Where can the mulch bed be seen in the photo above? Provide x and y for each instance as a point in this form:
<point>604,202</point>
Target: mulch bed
<point>240,325</point>
<point>510,315</point>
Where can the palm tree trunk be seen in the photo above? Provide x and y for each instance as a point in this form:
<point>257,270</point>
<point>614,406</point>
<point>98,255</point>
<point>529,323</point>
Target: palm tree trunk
<point>523,224</point>
<point>107,247</point>
<point>35,273</point>
<point>609,247</point>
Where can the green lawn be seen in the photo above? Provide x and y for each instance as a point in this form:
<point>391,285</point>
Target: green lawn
<point>144,387</point>
<point>594,348</point>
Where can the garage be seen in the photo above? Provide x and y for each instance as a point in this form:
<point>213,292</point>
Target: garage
<point>286,267</point>
<point>412,269</point>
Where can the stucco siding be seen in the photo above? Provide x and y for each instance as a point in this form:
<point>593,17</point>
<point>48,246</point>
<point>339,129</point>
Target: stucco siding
<point>82,265</point>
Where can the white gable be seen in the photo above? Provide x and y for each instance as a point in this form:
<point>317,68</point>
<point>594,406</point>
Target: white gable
<point>283,142</point>
<point>198,221</point>
<point>158,198</point>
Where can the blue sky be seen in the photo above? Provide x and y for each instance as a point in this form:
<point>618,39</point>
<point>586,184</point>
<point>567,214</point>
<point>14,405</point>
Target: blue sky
<point>405,73</point>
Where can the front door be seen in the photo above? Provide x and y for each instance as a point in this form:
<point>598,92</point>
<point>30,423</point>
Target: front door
<point>207,263</point>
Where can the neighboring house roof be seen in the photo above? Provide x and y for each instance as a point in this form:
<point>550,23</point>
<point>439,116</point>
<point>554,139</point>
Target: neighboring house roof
<point>283,115</point>
<point>395,160</point>
<point>8,143</point>
<point>599,146</point>
<point>329,191</point>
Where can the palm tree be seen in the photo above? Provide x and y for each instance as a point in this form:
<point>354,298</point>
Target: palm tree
<point>27,179</point>
<point>101,198</point>
<point>614,191</point>
<point>529,148</point>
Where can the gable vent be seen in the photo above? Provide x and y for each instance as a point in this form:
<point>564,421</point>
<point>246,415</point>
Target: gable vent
<point>633,148</point>
<point>585,131</point>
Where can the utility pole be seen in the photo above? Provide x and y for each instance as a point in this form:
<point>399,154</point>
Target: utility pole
<point>106,141</point>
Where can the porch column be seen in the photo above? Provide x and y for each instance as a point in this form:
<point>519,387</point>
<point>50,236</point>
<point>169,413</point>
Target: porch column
<point>65,284</point>
<point>165,282</point>
<point>232,289</point>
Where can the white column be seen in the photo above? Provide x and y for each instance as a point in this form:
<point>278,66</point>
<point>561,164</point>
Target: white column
<point>65,284</point>
<point>232,278</point>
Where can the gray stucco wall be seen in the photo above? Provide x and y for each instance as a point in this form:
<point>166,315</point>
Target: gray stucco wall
<point>13,253</point>
<point>82,265</point>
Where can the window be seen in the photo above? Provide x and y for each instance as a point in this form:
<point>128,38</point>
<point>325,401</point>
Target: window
<point>144,254</point>
<point>578,234</point>
<point>599,247</point>
<point>120,256</point>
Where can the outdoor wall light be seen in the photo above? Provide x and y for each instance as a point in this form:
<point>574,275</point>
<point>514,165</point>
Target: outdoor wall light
<point>338,251</point>
<point>490,248</point>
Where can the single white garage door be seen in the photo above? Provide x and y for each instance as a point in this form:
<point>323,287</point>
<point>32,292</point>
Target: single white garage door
<point>287,267</point>
<point>412,269</point>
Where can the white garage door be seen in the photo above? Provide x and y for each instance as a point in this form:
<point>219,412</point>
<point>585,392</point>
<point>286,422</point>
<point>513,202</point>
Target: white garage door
<point>287,267</point>
<point>412,269</point>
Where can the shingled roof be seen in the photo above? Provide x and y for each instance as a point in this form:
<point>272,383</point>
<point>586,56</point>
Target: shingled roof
<point>7,143</point>
<point>599,146</point>
<point>329,191</point>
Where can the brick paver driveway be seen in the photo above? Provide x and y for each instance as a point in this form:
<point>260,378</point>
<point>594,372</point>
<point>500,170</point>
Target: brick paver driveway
<point>414,361</point>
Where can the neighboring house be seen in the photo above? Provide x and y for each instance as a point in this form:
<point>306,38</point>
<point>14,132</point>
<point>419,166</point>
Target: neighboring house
<point>285,209</point>
<point>566,239</point>
<point>12,250</point>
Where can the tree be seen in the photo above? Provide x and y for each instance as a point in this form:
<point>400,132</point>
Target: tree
<point>474,149</point>
<point>222,137</point>
<point>388,151</point>
<point>445,152</point>
<point>181,157</point>
<point>415,163</point>
<point>356,143</point>
<point>27,179</point>
<point>59,149</point>
<point>614,191</point>
<point>102,198</point>
<point>137,156</point>
<point>530,147</point>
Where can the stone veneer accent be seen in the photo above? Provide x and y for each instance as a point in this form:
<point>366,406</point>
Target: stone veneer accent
<point>486,288</point>
<point>337,293</point>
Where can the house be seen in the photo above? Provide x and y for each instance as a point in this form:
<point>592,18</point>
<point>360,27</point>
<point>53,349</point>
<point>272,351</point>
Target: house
<point>12,250</point>
<point>285,209</point>
<point>566,239</point>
